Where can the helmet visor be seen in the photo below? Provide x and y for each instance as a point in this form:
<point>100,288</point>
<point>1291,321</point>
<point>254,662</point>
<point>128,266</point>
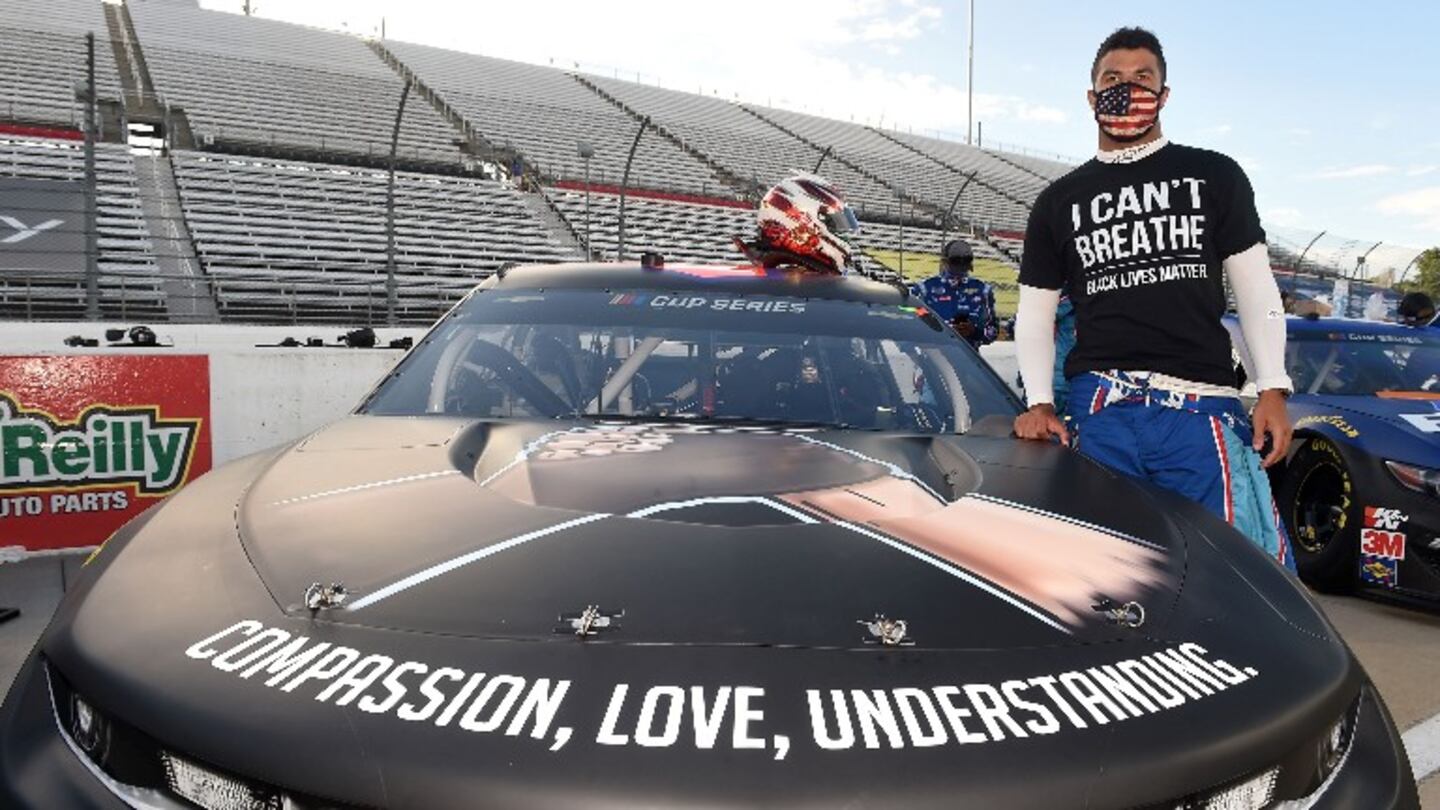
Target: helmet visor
<point>842,220</point>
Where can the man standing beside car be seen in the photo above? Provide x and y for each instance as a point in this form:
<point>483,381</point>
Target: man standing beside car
<point>1139,237</point>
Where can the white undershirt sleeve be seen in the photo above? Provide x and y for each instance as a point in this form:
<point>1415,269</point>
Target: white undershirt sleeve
<point>1262,316</point>
<point>1035,342</point>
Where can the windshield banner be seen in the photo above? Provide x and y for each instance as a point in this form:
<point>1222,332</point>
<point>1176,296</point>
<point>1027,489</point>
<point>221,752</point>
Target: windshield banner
<point>88,442</point>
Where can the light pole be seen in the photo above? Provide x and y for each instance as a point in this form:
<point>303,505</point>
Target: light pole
<point>586,151</point>
<point>945,223</point>
<point>625,182</point>
<point>900,190</point>
<point>92,242</point>
<point>970,77</point>
<point>1360,262</point>
<point>821,161</point>
<point>1300,262</point>
<point>392,293</point>
<point>1406,271</point>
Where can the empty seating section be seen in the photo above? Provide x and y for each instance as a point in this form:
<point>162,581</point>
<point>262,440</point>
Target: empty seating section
<point>1018,183</point>
<point>1045,167</point>
<point>42,59</point>
<point>877,236</point>
<point>285,241</point>
<point>696,232</point>
<point>542,112</point>
<point>249,81</point>
<point>128,283</point>
<point>1014,246</point>
<point>906,169</point>
<point>687,232</point>
<point>748,147</point>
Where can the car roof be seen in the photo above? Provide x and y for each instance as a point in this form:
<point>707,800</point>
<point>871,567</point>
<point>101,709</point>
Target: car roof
<point>1356,326</point>
<point>735,279</point>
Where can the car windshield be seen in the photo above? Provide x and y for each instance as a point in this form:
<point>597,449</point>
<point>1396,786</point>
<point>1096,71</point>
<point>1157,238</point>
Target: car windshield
<point>695,356</point>
<point>1364,364</point>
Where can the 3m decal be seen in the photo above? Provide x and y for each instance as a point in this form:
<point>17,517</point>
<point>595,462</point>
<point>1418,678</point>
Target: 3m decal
<point>1381,543</point>
<point>718,717</point>
<point>1380,536</point>
<point>87,442</point>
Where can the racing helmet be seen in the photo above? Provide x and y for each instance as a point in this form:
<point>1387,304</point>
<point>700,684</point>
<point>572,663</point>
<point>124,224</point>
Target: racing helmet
<point>804,217</point>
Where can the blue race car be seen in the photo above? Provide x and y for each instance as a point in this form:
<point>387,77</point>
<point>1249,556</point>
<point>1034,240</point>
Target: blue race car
<point>1360,490</point>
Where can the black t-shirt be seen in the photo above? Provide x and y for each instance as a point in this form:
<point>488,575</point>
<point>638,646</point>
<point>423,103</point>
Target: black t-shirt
<point>1139,247</point>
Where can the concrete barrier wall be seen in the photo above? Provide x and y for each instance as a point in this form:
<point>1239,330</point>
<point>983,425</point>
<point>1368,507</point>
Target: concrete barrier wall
<point>260,396</point>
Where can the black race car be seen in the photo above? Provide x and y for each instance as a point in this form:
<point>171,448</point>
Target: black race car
<point>1360,492</point>
<point>695,536</point>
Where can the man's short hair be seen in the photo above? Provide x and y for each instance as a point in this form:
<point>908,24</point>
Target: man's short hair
<point>1415,308</point>
<point>1126,39</point>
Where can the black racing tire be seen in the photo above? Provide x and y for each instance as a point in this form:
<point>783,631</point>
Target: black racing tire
<point>1322,516</point>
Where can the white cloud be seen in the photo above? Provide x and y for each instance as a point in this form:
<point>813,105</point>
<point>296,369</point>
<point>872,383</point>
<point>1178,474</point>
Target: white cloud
<point>1219,130</point>
<point>1285,217</point>
<point>1423,204</point>
<point>1350,172</point>
<point>910,26</point>
<point>1420,171</point>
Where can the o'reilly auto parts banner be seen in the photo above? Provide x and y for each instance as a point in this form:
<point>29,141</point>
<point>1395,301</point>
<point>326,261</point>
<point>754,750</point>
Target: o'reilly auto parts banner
<point>89,441</point>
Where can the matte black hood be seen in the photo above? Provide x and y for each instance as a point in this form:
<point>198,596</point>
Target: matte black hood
<point>763,536</point>
<point>739,674</point>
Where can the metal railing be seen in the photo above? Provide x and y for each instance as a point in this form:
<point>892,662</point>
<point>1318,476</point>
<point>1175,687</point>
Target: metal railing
<point>241,298</point>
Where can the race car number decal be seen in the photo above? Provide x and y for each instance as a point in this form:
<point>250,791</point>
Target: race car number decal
<point>1423,422</point>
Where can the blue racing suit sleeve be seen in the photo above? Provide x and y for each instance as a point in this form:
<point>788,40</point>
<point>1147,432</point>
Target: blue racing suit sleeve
<point>992,320</point>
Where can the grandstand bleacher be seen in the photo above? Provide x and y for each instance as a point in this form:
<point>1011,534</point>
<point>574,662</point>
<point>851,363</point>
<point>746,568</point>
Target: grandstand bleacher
<point>543,112</point>
<point>247,83</point>
<point>283,240</point>
<point>692,231</point>
<point>275,135</point>
<point>925,177</point>
<point>746,145</point>
<point>126,264</point>
<point>42,59</point>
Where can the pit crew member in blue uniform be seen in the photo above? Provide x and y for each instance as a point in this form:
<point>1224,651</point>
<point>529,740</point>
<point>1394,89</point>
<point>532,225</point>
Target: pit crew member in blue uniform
<point>956,297</point>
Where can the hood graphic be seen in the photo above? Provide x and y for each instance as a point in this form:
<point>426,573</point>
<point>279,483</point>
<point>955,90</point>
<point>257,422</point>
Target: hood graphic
<point>509,526</point>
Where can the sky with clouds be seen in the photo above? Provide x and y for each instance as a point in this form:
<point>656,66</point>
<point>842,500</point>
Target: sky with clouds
<point>1329,105</point>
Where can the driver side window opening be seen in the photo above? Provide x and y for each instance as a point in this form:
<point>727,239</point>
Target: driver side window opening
<point>559,370</point>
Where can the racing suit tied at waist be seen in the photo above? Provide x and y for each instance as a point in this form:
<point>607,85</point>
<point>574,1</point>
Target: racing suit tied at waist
<point>1123,422</point>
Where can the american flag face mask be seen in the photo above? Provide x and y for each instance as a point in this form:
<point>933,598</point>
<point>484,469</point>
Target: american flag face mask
<point>1126,111</point>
